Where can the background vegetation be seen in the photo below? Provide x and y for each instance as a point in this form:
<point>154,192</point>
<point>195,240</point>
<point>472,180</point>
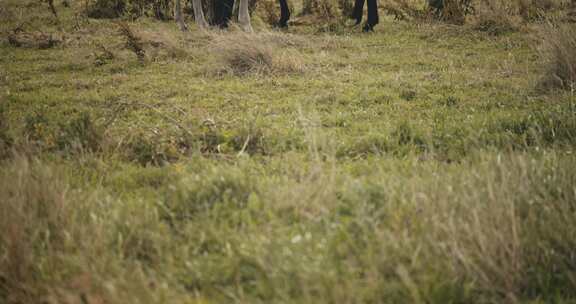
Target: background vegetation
<point>429,162</point>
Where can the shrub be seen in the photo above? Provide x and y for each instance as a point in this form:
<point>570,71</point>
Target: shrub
<point>103,9</point>
<point>107,9</point>
<point>159,9</point>
<point>452,11</point>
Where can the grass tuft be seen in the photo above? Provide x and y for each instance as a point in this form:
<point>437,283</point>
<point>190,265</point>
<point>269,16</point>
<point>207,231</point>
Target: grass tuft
<point>36,218</point>
<point>242,54</point>
<point>559,53</point>
<point>81,134</point>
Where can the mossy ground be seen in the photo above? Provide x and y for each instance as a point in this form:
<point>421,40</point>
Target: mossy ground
<point>414,164</point>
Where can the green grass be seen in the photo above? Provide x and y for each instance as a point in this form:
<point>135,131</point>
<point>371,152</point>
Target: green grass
<point>416,164</point>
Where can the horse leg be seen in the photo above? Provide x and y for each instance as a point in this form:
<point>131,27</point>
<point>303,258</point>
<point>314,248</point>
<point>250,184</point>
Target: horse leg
<point>358,11</point>
<point>223,12</point>
<point>217,13</point>
<point>229,8</point>
<point>284,14</point>
<point>372,16</point>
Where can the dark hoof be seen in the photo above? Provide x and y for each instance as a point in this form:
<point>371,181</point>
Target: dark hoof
<point>357,18</point>
<point>368,28</point>
<point>282,24</point>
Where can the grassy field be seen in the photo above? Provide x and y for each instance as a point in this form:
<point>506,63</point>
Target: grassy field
<point>421,163</point>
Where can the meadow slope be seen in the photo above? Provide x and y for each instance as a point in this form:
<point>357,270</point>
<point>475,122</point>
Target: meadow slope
<point>417,164</point>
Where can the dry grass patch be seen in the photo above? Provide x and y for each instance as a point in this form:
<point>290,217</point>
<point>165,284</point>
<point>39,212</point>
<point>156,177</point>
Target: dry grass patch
<point>21,38</point>
<point>505,234</point>
<point>166,44</point>
<point>323,9</point>
<point>455,11</point>
<point>532,10</point>
<point>59,243</point>
<point>496,17</point>
<point>502,16</point>
<point>559,53</point>
<point>36,215</point>
<point>153,45</point>
<point>239,54</point>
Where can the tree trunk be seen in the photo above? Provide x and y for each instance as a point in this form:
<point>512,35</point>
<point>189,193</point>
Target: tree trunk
<point>244,16</point>
<point>178,16</point>
<point>199,14</point>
